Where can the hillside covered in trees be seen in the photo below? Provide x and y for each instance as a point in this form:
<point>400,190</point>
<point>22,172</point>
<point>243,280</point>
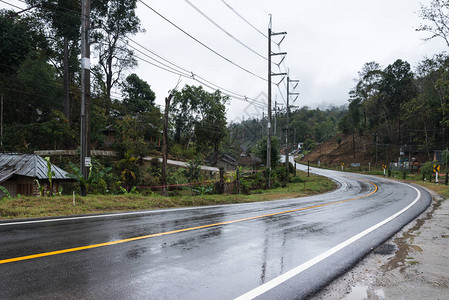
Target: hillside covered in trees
<point>400,107</point>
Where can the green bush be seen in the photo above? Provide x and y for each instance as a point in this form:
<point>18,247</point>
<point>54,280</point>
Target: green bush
<point>296,179</point>
<point>280,176</point>
<point>427,169</point>
<point>256,181</point>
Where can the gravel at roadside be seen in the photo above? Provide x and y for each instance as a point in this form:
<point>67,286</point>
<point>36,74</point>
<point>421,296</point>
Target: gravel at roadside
<point>414,264</point>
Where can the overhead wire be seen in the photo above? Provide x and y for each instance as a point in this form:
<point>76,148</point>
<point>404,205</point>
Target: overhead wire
<point>10,4</point>
<point>241,17</point>
<point>224,30</point>
<point>202,44</point>
<point>189,74</point>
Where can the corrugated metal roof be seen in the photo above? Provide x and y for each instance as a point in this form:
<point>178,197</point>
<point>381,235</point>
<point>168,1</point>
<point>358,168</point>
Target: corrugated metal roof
<point>29,165</point>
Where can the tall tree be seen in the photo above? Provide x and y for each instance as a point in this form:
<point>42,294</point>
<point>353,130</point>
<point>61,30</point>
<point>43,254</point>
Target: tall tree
<point>113,21</point>
<point>354,114</point>
<point>64,19</point>
<point>211,129</point>
<point>199,116</point>
<point>16,42</point>
<point>437,17</point>
<point>138,96</point>
<point>366,90</point>
<point>397,87</point>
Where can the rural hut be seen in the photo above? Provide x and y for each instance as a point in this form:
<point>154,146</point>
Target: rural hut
<point>19,172</point>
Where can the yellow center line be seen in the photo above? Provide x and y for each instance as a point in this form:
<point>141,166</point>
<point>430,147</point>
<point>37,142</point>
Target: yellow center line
<point>27,257</point>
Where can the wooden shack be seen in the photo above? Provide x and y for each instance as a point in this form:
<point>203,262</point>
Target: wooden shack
<point>19,172</point>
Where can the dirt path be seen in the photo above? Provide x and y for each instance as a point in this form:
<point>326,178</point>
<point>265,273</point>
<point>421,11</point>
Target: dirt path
<point>414,264</point>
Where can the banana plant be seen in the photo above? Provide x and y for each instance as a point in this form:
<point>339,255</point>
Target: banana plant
<point>5,192</point>
<point>91,178</point>
<point>50,174</point>
<point>39,187</point>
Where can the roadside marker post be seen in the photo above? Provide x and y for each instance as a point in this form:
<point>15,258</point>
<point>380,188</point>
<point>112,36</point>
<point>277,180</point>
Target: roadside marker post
<point>385,169</point>
<point>436,169</point>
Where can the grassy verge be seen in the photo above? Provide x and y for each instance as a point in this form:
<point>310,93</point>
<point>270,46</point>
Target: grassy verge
<point>441,189</point>
<point>30,207</point>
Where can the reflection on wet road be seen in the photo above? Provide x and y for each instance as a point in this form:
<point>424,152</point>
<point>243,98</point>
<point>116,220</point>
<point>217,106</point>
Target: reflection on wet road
<point>219,252</point>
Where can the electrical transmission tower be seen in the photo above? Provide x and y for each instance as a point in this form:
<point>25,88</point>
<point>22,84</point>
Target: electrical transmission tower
<point>287,150</point>
<point>270,74</point>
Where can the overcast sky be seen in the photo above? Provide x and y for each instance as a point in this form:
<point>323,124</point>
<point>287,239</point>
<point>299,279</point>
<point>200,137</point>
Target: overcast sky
<point>327,43</point>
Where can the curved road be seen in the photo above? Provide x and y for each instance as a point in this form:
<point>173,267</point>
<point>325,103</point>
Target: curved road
<point>285,249</point>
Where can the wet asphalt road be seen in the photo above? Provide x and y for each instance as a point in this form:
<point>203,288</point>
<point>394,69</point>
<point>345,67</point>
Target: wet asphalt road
<point>240,248</point>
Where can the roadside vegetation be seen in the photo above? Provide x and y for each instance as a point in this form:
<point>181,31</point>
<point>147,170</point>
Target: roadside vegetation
<point>31,207</point>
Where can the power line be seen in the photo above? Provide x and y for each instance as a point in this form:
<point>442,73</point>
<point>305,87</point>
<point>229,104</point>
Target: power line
<point>15,6</point>
<point>159,56</point>
<point>225,31</point>
<point>188,74</point>
<point>241,17</point>
<point>202,44</point>
<point>194,77</point>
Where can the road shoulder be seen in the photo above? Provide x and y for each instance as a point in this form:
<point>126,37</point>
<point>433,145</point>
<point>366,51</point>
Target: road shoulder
<point>411,265</point>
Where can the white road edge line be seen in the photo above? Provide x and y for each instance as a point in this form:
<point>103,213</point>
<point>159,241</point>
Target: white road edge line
<point>125,214</point>
<point>96,216</point>
<point>301,268</point>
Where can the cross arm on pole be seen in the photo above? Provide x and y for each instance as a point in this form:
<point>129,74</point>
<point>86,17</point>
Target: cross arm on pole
<point>278,74</point>
<point>279,33</point>
<point>280,53</point>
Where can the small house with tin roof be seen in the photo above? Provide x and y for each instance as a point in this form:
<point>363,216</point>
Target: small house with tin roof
<point>19,172</point>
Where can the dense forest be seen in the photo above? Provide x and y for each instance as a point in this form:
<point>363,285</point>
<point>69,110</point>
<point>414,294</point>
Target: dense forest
<point>308,126</point>
<point>397,106</point>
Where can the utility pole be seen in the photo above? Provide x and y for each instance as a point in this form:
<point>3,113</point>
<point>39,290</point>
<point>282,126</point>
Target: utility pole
<point>276,112</point>
<point>85,91</point>
<point>270,74</point>
<point>287,129</point>
<point>275,117</point>
<point>269,109</point>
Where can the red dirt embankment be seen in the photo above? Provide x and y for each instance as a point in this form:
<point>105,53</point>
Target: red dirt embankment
<point>332,154</point>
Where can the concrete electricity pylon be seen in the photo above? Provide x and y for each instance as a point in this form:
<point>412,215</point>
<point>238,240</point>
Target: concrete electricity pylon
<point>85,93</point>
<point>270,74</point>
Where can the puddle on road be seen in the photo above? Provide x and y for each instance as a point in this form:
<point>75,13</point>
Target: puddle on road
<point>365,292</point>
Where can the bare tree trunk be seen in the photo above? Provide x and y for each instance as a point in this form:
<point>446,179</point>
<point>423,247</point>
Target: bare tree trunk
<point>353,142</point>
<point>107,105</point>
<point>66,81</point>
<point>164,145</point>
<point>427,139</point>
